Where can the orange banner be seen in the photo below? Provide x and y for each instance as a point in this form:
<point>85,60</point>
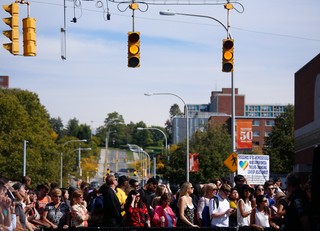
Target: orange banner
<point>194,162</point>
<point>244,135</point>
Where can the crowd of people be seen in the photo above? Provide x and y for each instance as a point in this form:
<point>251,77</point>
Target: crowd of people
<point>122,202</point>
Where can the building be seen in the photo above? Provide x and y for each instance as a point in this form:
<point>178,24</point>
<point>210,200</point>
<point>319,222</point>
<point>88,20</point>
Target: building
<point>307,115</point>
<point>218,110</point>
<point>4,81</point>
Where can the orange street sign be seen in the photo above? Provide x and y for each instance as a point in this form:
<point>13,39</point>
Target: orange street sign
<point>232,162</point>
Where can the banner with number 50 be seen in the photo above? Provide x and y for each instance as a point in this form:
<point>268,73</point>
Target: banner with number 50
<point>244,135</point>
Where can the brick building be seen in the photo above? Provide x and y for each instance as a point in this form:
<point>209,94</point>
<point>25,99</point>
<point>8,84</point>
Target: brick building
<point>307,115</point>
<point>4,81</point>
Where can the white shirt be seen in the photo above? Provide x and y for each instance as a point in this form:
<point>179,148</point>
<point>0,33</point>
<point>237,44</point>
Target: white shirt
<point>244,221</point>
<point>224,205</point>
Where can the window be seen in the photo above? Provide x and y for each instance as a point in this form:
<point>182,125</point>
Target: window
<point>277,114</point>
<point>270,123</point>
<point>266,134</point>
<point>204,108</point>
<point>266,114</point>
<point>256,114</point>
<point>256,133</point>
<point>278,108</point>
<point>193,108</point>
<point>255,143</point>
<point>255,123</point>
<point>1,79</point>
<point>254,108</point>
<point>265,108</point>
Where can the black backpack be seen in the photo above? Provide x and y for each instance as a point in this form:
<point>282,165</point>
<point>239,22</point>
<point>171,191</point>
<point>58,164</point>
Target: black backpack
<point>206,219</point>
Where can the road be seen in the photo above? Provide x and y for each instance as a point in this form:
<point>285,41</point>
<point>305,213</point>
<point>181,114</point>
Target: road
<point>120,167</point>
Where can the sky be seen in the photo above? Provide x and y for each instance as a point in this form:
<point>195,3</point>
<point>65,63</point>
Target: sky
<point>179,54</point>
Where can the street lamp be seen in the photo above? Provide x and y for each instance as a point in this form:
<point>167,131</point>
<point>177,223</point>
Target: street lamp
<point>169,13</point>
<point>61,157</point>
<point>134,147</point>
<point>80,156</point>
<point>158,130</point>
<point>186,107</point>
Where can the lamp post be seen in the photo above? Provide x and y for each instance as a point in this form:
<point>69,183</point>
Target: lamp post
<point>169,13</point>
<point>186,112</point>
<point>61,157</point>
<point>136,147</point>
<point>79,157</point>
<point>158,130</point>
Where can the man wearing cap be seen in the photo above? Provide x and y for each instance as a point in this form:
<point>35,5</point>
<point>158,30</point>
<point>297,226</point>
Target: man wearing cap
<point>123,183</point>
<point>277,184</point>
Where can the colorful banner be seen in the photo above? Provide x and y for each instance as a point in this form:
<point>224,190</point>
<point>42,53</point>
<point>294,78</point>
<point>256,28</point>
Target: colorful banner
<point>256,168</point>
<point>244,135</point>
<point>194,162</point>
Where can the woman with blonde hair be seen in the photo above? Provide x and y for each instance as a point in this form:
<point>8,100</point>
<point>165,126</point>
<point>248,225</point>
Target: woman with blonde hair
<point>79,213</point>
<point>56,213</point>
<point>186,208</point>
<point>160,190</point>
<point>210,190</point>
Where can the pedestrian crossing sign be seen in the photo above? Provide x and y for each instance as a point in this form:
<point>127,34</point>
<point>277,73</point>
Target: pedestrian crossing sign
<point>232,162</point>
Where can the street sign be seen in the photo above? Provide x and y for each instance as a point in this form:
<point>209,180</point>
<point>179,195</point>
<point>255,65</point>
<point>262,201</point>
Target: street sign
<point>231,162</point>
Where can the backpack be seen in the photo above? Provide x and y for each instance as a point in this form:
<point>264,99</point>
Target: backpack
<point>206,219</point>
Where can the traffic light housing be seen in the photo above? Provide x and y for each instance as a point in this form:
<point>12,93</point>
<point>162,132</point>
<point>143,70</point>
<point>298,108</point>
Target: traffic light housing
<point>133,49</point>
<point>12,34</point>
<point>135,172</point>
<point>108,171</point>
<point>227,55</point>
<point>29,37</point>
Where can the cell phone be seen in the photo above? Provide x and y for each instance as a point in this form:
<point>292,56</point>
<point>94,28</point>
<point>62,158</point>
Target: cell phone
<point>11,196</point>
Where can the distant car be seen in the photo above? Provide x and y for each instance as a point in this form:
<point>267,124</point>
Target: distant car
<point>94,184</point>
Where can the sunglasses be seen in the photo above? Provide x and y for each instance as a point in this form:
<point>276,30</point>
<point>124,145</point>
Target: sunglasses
<point>260,189</point>
<point>57,196</point>
<point>138,196</point>
<point>136,186</point>
<point>270,188</point>
<point>265,201</point>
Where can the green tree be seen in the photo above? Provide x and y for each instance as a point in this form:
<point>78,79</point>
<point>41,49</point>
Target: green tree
<point>84,132</point>
<point>279,145</point>
<point>73,127</point>
<point>57,126</point>
<point>115,124</point>
<point>22,117</point>
<point>141,138</point>
<point>174,111</point>
<point>213,146</point>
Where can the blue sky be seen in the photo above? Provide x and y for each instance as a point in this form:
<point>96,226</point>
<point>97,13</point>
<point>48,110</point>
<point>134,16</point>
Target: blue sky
<point>179,54</point>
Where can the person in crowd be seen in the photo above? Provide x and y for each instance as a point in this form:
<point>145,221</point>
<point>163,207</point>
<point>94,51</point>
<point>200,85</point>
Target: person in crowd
<point>225,180</point>
<point>282,204</point>
<point>277,184</point>
<point>258,190</point>
<point>5,208</point>
<point>71,189</point>
<point>270,189</point>
<point>19,195</point>
<point>123,183</point>
<point>297,216</point>
<point>56,213</point>
<point>98,210</point>
<point>111,204</point>
<point>244,205</point>
<point>92,198</point>
<point>186,208</point>
<point>83,186</point>
<point>210,190</point>
<point>195,198</point>
<point>239,180</point>
<point>261,215</point>
<point>163,216</point>
<point>79,214</point>
<point>34,216</point>
<point>160,190</point>
<point>43,198</point>
<point>233,198</point>
<point>217,181</point>
<point>174,199</point>
<point>26,181</point>
<point>65,195</point>
<point>219,209</point>
<point>146,192</point>
<point>136,210</point>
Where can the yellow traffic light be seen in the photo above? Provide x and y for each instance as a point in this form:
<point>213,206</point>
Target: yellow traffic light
<point>12,34</point>
<point>135,172</point>
<point>133,49</point>
<point>108,171</point>
<point>227,56</point>
<point>29,37</point>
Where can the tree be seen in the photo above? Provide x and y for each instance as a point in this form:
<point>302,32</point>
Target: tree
<point>22,117</point>
<point>279,145</point>
<point>57,126</point>
<point>84,132</point>
<point>114,124</point>
<point>174,111</point>
<point>213,146</point>
<point>73,127</point>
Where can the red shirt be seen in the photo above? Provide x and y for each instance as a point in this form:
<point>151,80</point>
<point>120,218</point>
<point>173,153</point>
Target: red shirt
<point>137,216</point>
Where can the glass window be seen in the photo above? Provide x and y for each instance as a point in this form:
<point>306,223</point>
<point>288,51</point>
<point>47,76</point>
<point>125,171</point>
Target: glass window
<point>1,79</point>
<point>267,134</point>
<point>255,123</point>
<point>204,108</point>
<point>278,108</point>
<point>255,143</point>
<point>254,108</point>
<point>277,114</point>
<point>256,114</point>
<point>270,123</point>
<point>266,114</point>
<point>265,108</point>
<point>193,108</point>
<point>255,133</point>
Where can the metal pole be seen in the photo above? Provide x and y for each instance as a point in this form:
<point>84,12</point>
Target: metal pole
<point>79,165</point>
<point>233,115</point>
<point>187,142</point>
<point>61,170</point>
<point>154,166</point>
<point>24,157</point>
